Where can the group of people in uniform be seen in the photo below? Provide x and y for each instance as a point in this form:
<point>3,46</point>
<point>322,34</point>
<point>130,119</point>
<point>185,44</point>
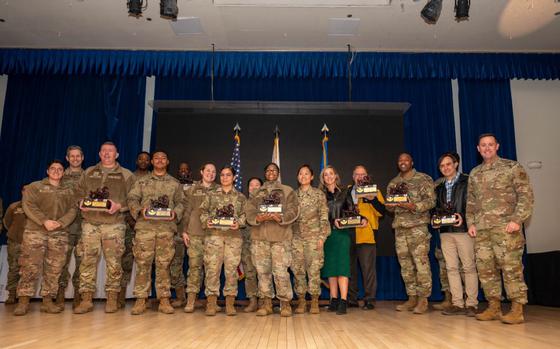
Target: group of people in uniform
<point>301,230</point>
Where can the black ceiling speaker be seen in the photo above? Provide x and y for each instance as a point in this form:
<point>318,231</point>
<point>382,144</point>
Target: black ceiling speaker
<point>168,9</point>
<point>430,13</point>
<point>462,10</point>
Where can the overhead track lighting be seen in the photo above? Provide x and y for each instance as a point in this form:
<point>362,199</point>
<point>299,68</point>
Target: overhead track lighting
<point>462,10</point>
<point>168,9</point>
<point>430,13</point>
<point>135,7</point>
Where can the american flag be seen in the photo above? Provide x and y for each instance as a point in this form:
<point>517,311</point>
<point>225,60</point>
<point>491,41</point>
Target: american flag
<point>236,159</point>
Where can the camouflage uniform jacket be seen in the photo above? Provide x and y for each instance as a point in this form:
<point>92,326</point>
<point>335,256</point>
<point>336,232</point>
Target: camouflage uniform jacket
<point>118,180</point>
<point>421,193</point>
<point>270,230</point>
<point>14,221</point>
<point>151,187</point>
<point>70,180</point>
<point>498,193</point>
<point>217,199</point>
<point>193,199</point>
<point>313,220</point>
<point>43,201</point>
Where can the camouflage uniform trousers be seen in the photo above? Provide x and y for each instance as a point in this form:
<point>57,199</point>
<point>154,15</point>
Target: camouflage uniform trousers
<point>307,258</point>
<point>42,254</point>
<point>251,288</point>
<point>413,245</point>
<point>176,267</point>
<point>14,252</point>
<point>442,269</point>
<point>273,259</point>
<point>127,260</point>
<point>74,235</point>
<point>498,251</point>
<point>218,251</point>
<point>150,244</point>
<point>196,264</point>
<point>96,238</point>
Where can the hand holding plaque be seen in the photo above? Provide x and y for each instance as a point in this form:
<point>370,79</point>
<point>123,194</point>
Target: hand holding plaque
<point>397,194</point>
<point>364,188</point>
<point>350,218</point>
<point>224,218</point>
<point>271,204</point>
<point>97,200</point>
<point>159,209</point>
<point>444,216</point>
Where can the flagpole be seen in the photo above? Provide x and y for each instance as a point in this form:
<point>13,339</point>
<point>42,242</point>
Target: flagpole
<point>236,157</point>
<point>325,146</point>
<point>276,150</point>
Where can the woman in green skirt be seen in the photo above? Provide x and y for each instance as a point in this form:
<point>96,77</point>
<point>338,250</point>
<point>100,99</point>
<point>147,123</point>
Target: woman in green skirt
<point>337,246</point>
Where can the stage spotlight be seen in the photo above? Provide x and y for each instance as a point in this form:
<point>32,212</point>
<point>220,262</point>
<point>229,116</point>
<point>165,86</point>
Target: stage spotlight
<point>135,7</point>
<point>168,9</point>
<point>430,13</point>
<point>462,10</point>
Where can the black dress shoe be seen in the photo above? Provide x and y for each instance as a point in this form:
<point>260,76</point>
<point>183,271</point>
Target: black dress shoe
<point>333,305</point>
<point>368,305</point>
<point>342,304</point>
<point>352,304</point>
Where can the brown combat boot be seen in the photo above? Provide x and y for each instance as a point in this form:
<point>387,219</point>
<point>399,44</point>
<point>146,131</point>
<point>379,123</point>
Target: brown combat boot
<point>446,303</point>
<point>165,307</point>
<point>86,304</point>
<point>314,309</point>
<point>23,306</point>
<point>60,298</point>
<point>76,300</point>
<point>230,306</point>
<point>49,307</point>
<point>515,316</point>
<point>422,306</point>
<point>180,301</point>
<point>252,306</point>
<point>211,304</point>
<point>493,312</point>
<point>11,298</point>
<point>111,305</point>
<point>191,299</point>
<point>265,307</point>
<point>301,305</point>
<point>408,305</point>
<point>122,298</point>
<point>139,306</point>
<point>285,309</point>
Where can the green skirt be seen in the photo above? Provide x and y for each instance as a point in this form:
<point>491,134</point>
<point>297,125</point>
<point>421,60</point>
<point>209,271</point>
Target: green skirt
<point>337,254</point>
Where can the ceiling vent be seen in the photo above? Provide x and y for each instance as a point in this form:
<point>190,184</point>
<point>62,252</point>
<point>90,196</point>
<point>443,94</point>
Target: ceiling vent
<point>343,26</point>
<point>303,3</point>
<point>187,26</point>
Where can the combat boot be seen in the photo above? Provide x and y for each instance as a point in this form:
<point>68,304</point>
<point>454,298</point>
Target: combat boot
<point>285,309</point>
<point>49,307</point>
<point>191,299</point>
<point>86,304</point>
<point>408,305</point>
<point>180,301</point>
<point>252,306</point>
<point>265,307</point>
<point>230,306</point>
<point>314,309</point>
<point>446,303</point>
<point>11,298</point>
<point>122,298</point>
<point>23,306</point>
<point>421,306</point>
<point>515,316</point>
<point>139,306</point>
<point>60,298</point>
<point>111,305</point>
<point>165,307</point>
<point>301,304</point>
<point>211,305</point>
<point>493,312</point>
<point>76,300</point>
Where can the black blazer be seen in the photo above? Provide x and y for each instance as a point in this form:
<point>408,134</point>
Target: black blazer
<point>458,200</point>
<point>337,202</point>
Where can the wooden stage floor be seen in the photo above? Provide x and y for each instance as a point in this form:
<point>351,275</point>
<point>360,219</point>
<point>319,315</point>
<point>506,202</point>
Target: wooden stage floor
<point>380,328</point>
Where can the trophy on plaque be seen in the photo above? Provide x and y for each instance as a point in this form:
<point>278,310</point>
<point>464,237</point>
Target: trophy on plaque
<point>364,187</point>
<point>444,216</point>
<point>271,204</point>
<point>398,194</point>
<point>350,218</point>
<point>159,209</point>
<point>224,217</point>
<point>97,200</point>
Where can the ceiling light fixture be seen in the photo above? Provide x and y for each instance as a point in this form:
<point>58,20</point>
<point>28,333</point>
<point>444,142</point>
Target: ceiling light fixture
<point>168,9</point>
<point>462,10</point>
<point>430,13</point>
<point>135,7</point>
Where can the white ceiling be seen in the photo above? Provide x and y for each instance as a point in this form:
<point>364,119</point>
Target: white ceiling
<point>494,25</point>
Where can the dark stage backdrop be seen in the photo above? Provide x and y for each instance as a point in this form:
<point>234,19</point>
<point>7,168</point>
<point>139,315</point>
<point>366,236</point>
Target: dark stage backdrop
<point>374,141</point>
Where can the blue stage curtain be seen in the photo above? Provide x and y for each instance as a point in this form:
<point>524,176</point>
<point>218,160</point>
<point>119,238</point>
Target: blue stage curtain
<point>45,114</point>
<point>485,106</point>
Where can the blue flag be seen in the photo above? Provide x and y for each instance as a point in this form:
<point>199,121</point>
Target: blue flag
<point>236,160</point>
<point>325,145</point>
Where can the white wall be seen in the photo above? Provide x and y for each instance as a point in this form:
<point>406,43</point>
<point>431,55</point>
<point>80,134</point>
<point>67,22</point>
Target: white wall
<point>536,109</point>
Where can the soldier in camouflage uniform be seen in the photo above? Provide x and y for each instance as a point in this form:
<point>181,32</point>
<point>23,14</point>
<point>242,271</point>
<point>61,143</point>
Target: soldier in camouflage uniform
<point>154,237</point>
<point>271,240</point>
<point>311,229</point>
<point>72,174</point>
<point>176,267</point>
<point>412,238</point>
<point>14,221</point>
<point>499,200</point>
<point>193,233</point>
<point>251,288</point>
<point>50,209</point>
<point>222,246</point>
<point>127,261</point>
<point>103,230</point>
